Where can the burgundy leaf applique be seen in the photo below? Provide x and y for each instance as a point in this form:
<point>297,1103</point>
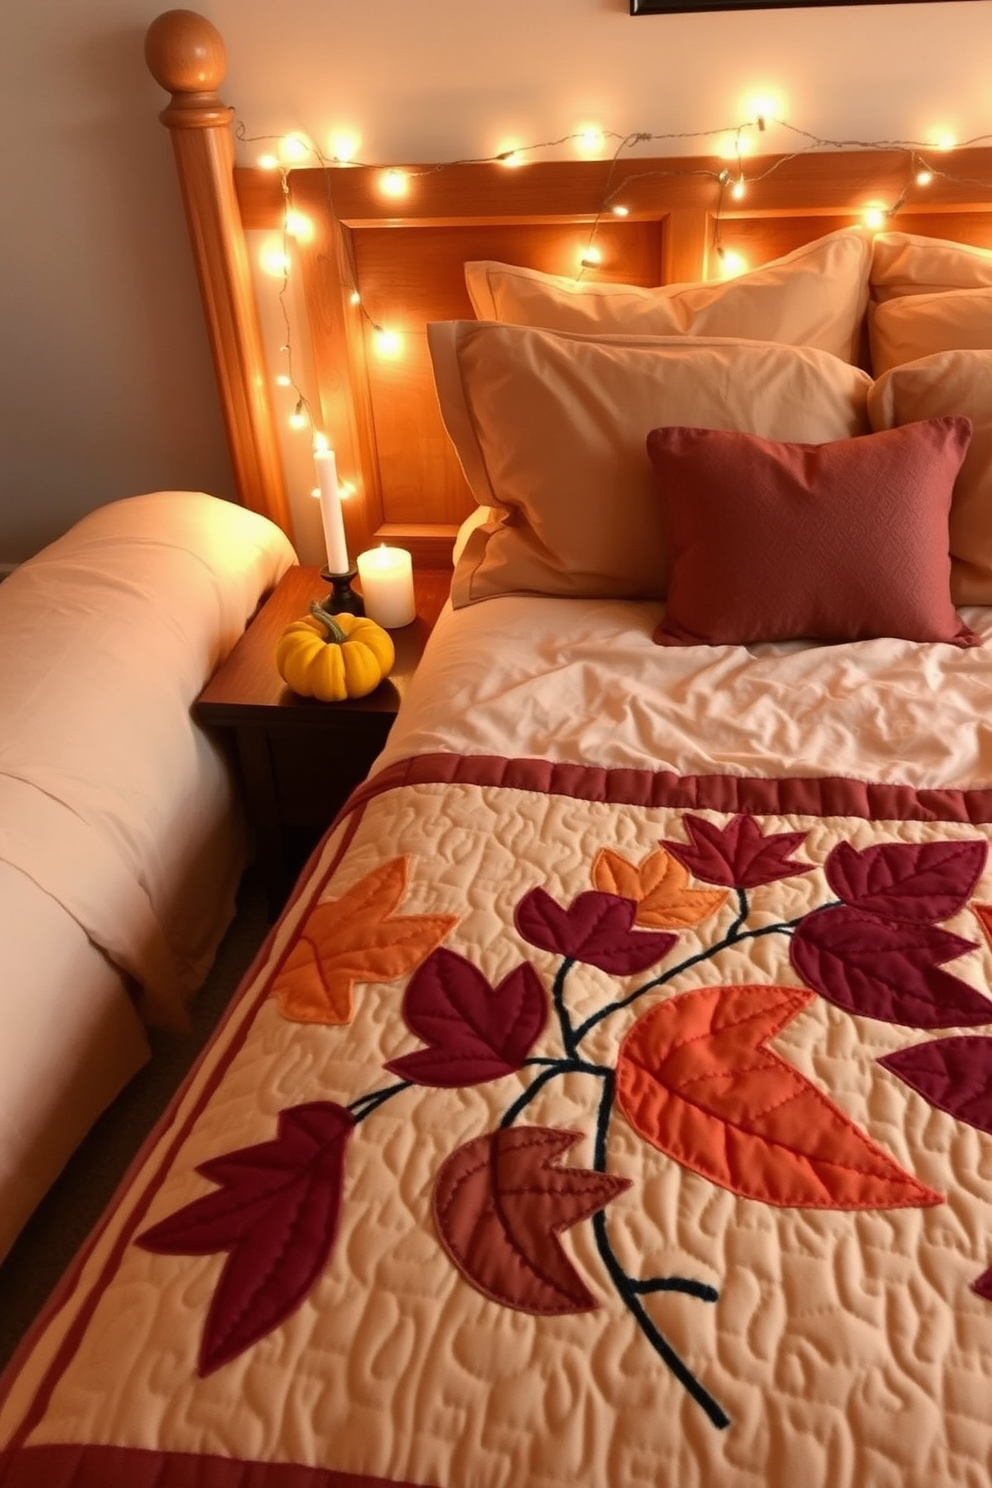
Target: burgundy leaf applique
<point>474,1032</point>
<point>596,928</point>
<point>697,1079</point>
<point>953,1074</point>
<point>907,881</point>
<point>887,971</point>
<point>276,1213</point>
<point>739,855</point>
<point>983,1285</point>
<point>500,1203</point>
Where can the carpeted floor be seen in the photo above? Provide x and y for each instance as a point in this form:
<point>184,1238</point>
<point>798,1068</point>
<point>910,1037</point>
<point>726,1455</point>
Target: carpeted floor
<point>70,1209</point>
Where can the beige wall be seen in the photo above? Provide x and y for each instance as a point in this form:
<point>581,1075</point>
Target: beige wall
<point>105,381</point>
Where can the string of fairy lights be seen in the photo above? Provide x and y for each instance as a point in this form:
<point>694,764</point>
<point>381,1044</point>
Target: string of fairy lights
<point>736,177</point>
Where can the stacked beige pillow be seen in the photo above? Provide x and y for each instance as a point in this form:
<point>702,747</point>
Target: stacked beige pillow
<point>549,402</point>
<point>816,296</point>
<point>551,429</point>
<point>549,397</point>
<point>931,342</point>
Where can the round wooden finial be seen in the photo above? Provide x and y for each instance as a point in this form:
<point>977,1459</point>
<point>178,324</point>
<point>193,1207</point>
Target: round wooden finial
<point>185,53</point>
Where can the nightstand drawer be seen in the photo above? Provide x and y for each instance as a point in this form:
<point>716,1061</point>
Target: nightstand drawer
<point>314,771</point>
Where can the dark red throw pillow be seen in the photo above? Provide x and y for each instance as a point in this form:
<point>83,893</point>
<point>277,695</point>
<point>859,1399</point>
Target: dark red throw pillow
<point>845,541</point>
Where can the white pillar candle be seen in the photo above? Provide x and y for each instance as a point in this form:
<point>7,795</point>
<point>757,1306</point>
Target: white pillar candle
<point>386,576</point>
<point>330,511</point>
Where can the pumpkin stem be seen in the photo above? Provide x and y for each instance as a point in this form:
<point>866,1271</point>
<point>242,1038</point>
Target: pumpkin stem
<point>334,632</point>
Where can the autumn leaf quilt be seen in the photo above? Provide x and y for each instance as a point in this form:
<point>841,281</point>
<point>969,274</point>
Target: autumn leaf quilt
<point>574,1127</point>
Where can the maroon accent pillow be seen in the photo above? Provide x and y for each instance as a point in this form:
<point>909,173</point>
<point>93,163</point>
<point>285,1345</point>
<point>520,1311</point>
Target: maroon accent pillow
<point>844,541</point>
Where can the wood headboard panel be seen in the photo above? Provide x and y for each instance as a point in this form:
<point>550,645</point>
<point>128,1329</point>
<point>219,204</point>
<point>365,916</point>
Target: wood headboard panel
<point>404,258</point>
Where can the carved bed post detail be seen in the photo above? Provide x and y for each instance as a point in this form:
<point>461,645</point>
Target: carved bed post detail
<point>185,54</point>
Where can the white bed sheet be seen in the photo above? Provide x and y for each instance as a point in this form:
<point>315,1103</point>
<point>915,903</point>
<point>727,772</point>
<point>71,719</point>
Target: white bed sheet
<point>580,681</point>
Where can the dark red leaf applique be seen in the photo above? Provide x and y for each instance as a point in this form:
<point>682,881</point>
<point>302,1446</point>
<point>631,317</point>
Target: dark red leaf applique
<point>907,881</point>
<point>596,928</point>
<point>983,914</point>
<point>500,1203</point>
<point>474,1033</point>
<point>983,1285</point>
<point>739,855</point>
<point>696,1079</point>
<point>953,1074</point>
<point>276,1213</point>
<point>888,971</point>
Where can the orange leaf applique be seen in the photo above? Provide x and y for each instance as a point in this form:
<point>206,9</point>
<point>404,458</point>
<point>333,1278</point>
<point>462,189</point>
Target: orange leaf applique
<point>696,1079</point>
<point>659,886</point>
<point>357,938</point>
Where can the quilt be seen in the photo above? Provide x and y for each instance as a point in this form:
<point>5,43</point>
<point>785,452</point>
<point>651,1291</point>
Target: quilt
<point>575,1126</point>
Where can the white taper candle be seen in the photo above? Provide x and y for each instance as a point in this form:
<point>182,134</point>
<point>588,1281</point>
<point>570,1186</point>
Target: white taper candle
<point>330,511</point>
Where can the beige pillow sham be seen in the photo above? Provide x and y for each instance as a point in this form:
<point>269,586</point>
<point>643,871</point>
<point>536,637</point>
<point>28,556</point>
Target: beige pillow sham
<point>814,296</point>
<point>910,264</point>
<point>550,428</point>
<point>918,325</point>
<point>952,382</point>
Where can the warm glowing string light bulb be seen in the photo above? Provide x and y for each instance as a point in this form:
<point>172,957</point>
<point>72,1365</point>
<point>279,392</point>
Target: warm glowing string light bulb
<point>619,210</point>
<point>924,177</point>
<point>874,218</point>
<point>731,263</point>
<point>284,380</point>
<point>739,189</point>
<point>273,259</point>
<point>393,182</point>
<point>299,226</point>
<point>344,148</point>
<point>268,162</point>
<point>589,140</point>
<point>590,256</point>
<point>293,149</point>
<point>387,343</point>
<point>298,417</point>
<point>355,298</point>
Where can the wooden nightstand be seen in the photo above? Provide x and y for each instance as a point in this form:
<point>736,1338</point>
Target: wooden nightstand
<point>300,758</point>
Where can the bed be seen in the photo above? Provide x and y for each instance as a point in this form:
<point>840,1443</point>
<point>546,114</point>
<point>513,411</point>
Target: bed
<point>122,839</point>
<point>609,1104</point>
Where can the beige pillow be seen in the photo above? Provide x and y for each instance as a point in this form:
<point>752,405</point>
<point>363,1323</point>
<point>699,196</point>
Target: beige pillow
<point>952,382</point>
<point>815,296</point>
<point>551,429</point>
<point>912,326</point>
<point>908,264</point>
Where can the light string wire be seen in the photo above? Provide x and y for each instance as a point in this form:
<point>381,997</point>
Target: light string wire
<point>730,178</point>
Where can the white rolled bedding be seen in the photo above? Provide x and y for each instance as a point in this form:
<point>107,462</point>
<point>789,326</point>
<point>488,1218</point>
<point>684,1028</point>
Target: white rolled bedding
<point>121,835</point>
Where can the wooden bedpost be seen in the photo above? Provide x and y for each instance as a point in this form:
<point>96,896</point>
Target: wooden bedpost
<point>185,55</point>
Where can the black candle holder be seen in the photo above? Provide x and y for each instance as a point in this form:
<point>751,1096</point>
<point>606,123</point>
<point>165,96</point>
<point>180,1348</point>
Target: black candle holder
<point>343,599</point>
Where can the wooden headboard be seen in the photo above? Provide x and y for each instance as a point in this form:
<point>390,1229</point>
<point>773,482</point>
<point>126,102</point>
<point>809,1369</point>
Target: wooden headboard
<point>403,258</point>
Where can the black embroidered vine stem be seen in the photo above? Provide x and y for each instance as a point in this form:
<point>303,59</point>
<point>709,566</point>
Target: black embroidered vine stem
<point>744,909</point>
<point>568,1037</point>
<point>630,1290</point>
<point>553,1067</point>
<point>784,927</point>
<point>376,1098</point>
